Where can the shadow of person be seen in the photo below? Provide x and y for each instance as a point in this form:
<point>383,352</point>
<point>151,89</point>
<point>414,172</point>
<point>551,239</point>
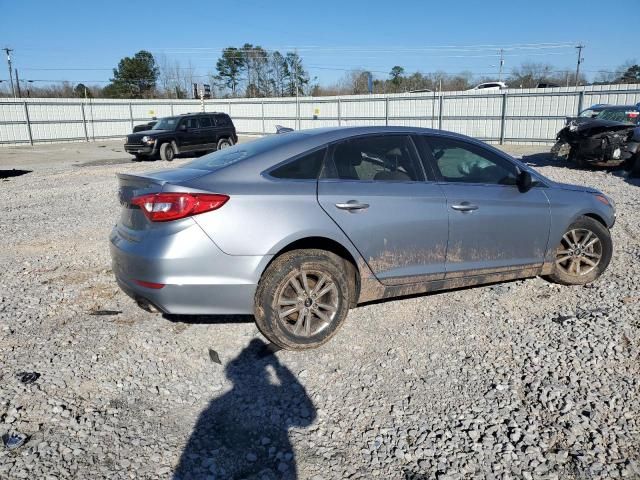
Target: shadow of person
<point>244,433</point>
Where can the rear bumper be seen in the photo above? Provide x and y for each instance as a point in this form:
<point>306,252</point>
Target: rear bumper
<point>198,278</point>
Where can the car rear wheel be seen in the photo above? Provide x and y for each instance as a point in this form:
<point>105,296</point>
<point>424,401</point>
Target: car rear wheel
<point>583,254</point>
<point>224,143</point>
<point>167,152</point>
<point>302,299</point>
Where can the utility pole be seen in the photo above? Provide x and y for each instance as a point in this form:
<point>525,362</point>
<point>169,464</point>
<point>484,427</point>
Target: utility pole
<point>580,60</point>
<point>8,51</point>
<point>501,52</point>
<point>296,84</point>
<point>18,84</point>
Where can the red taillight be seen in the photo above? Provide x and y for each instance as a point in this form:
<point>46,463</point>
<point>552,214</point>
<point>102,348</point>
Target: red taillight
<point>155,286</point>
<point>163,207</point>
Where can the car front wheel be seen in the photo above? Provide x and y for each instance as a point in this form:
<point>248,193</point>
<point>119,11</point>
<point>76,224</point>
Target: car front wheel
<point>302,299</point>
<point>167,152</point>
<point>583,254</point>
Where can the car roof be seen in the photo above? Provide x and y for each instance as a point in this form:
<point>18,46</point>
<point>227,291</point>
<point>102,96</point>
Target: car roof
<point>299,142</point>
<point>198,113</point>
<point>620,107</point>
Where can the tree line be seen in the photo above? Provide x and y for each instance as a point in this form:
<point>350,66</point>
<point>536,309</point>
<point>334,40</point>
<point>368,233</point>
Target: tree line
<point>252,71</point>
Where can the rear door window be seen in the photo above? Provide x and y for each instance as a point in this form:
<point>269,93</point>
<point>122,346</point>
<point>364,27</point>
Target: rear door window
<point>205,122</point>
<point>380,158</point>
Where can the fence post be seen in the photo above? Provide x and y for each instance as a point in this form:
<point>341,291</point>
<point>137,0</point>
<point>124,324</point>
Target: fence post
<point>386,111</point>
<point>26,115</point>
<point>171,105</point>
<point>503,115</point>
<point>84,123</point>
<point>339,115</point>
<point>131,115</point>
<point>440,108</point>
<point>262,108</point>
<point>580,101</point>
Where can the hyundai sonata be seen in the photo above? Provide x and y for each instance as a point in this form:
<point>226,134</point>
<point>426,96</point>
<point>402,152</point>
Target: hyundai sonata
<point>298,228</point>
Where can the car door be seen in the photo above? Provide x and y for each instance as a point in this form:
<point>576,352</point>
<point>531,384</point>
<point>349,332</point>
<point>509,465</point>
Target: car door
<point>493,225</point>
<point>206,133</point>
<point>188,137</point>
<point>374,189</point>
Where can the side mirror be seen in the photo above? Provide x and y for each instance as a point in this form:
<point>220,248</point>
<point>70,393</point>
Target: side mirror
<point>524,181</point>
<point>182,128</point>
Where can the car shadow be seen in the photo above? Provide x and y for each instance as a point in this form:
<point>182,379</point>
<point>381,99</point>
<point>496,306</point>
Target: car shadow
<point>208,319</point>
<point>244,433</point>
<point>635,181</point>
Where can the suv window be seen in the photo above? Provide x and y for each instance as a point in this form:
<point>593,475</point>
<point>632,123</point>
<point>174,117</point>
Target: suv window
<point>379,158</point>
<point>190,122</point>
<point>167,123</point>
<point>306,167</point>
<point>223,120</point>
<point>205,122</point>
<point>458,161</point>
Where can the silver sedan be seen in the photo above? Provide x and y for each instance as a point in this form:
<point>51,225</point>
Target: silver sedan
<point>298,228</point>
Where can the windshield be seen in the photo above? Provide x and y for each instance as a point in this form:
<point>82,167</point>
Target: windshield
<point>629,116</point>
<point>234,154</point>
<point>588,113</point>
<point>168,123</point>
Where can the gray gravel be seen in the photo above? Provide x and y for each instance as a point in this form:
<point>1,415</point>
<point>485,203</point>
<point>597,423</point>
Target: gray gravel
<point>521,380</point>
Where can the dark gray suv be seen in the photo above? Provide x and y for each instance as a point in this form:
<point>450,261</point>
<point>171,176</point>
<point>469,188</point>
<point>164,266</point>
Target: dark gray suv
<point>189,133</point>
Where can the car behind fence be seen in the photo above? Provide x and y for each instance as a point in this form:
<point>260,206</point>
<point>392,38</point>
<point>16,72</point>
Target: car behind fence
<point>508,116</point>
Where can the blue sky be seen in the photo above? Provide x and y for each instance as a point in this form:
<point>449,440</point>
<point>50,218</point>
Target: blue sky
<point>329,35</point>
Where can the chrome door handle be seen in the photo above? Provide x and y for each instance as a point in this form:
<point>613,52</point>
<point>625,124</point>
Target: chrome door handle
<point>464,207</point>
<point>352,205</point>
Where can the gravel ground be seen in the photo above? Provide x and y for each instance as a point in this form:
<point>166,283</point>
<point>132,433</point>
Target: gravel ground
<point>519,380</point>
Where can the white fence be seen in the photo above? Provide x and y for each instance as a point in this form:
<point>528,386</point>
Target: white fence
<point>511,116</point>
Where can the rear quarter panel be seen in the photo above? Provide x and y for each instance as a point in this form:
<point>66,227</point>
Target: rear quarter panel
<point>262,218</point>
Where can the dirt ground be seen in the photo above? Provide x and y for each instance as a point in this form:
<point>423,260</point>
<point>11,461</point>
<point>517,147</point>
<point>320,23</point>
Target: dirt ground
<point>519,380</point>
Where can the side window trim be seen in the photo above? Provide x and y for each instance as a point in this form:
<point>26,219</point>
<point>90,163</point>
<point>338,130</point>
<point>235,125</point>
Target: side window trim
<point>331,169</point>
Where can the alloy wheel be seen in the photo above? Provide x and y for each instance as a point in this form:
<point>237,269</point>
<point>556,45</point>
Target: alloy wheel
<point>579,252</point>
<point>307,302</point>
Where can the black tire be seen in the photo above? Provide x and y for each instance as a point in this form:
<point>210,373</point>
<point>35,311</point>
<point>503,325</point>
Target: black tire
<point>567,255</point>
<point>224,143</point>
<point>167,152</point>
<point>575,158</point>
<point>299,330</point>
<point>635,166</point>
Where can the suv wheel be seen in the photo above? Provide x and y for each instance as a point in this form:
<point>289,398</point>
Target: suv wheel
<point>224,143</point>
<point>583,254</point>
<point>167,152</point>
<point>302,299</point>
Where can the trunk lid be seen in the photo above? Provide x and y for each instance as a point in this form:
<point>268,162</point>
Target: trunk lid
<point>133,185</point>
